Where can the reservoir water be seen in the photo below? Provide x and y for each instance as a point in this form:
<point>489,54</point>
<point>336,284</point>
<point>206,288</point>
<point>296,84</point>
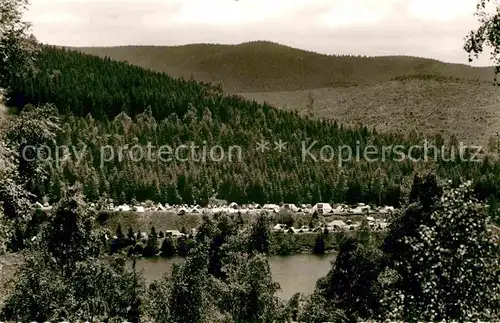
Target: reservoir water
<point>295,273</point>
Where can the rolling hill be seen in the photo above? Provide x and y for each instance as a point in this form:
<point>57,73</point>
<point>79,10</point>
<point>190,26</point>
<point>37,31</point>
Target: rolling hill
<point>266,67</point>
<point>387,93</point>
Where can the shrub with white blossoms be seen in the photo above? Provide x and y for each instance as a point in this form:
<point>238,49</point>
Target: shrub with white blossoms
<point>453,272</point>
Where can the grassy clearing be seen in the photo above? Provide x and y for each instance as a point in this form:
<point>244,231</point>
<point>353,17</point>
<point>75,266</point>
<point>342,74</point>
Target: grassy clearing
<point>171,221</point>
<point>9,263</point>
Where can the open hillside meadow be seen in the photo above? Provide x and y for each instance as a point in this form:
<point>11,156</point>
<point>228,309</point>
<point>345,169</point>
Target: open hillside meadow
<point>469,111</point>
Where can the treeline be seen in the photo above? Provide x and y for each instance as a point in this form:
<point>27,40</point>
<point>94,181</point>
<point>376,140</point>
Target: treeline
<point>163,244</point>
<point>433,77</point>
<point>105,103</point>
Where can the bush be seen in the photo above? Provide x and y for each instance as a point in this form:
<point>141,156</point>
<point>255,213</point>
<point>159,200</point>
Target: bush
<point>285,217</point>
<point>319,246</point>
<point>446,259</point>
<point>138,249</point>
<point>168,247</point>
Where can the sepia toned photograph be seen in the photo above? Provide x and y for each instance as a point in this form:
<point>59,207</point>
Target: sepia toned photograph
<point>245,161</point>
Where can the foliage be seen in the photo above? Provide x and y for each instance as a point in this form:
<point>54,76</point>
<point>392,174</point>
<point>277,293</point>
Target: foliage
<point>15,199</point>
<point>69,237</point>
<point>168,247</point>
<point>283,244</point>
<point>218,281</point>
<point>151,248</point>
<point>319,244</point>
<point>447,263</point>
<point>285,217</point>
<point>63,277</point>
<point>32,134</point>
<point>259,240</point>
<point>487,34</point>
<point>438,262</point>
<point>251,290</point>
<point>316,308</point>
<point>157,306</point>
<point>189,299</point>
<point>348,285</point>
<point>17,45</point>
<point>18,177</point>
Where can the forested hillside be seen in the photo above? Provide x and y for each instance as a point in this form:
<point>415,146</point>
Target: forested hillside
<point>103,102</point>
<point>262,66</point>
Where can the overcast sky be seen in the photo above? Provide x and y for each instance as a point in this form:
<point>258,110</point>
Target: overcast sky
<point>428,28</point>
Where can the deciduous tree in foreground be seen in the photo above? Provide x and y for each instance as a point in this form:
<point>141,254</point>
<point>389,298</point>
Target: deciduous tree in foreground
<point>17,44</point>
<point>487,34</point>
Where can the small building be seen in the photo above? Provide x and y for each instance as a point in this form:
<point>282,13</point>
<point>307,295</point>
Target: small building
<point>174,233</point>
<point>140,209</point>
<point>233,206</point>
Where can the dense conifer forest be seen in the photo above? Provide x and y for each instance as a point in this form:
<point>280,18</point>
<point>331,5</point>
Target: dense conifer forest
<point>103,102</point>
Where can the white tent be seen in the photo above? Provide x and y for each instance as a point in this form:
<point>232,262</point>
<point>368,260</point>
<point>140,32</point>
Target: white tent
<point>279,227</point>
<point>322,208</point>
<point>273,207</point>
<point>196,209</point>
<point>123,208</point>
<point>338,209</point>
<point>387,209</point>
<point>337,224</point>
